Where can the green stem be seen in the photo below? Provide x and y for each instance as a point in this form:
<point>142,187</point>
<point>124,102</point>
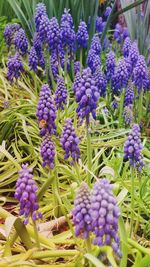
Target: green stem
<point>36,234</point>
<point>138,246</point>
<point>45,186</point>
<point>72,68</point>
<point>139,208</point>
<point>51,75</point>
<point>56,193</point>
<point>47,60</point>
<point>132,201</point>
<point>66,61</point>
<point>81,57</point>
<point>88,244</point>
<point>140,106</point>
<point>89,150</point>
<point>121,107</point>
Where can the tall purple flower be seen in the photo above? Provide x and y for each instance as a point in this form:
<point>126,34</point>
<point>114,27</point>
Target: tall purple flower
<point>67,36</point>
<point>87,95</point>
<point>110,65</point>
<point>120,77</point>
<point>99,27</point>
<point>118,32</point>
<point>140,73</point>
<point>107,12</point>
<point>134,53</point>
<point>44,29</point>
<point>46,111</point>
<point>77,82</point>
<point>38,47</point>
<point>70,141</point>
<point>126,47</point>
<point>9,32</point>
<point>61,94</point>
<point>26,190</point>
<point>105,213</point>
<point>33,59</point>
<point>21,42</point>
<point>82,35</point>
<point>76,67</point>
<point>128,114</point>
<point>125,33</point>
<point>133,148</point>
<point>101,82</point>
<point>39,13</point>
<point>81,211</point>
<point>47,150</point>
<point>95,45</point>
<point>66,17</point>
<point>129,96</point>
<point>93,60</point>
<point>14,67</point>
<point>53,35</point>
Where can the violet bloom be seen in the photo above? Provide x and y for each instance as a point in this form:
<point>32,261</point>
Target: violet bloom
<point>46,111</point>
<point>117,33</point>
<point>53,35</point>
<point>110,65</point>
<point>40,11</point>
<point>107,12</point>
<point>99,25</point>
<point>115,104</point>
<point>129,96</point>
<point>81,211</point>
<point>101,82</point>
<point>140,73</point>
<point>66,17</point>
<point>93,60</point>
<point>87,95</point>
<point>125,33</point>
<point>26,190</point>
<point>77,82</point>
<point>126,47</point>
<point>67,36</point>
<point>133,148</point>
<point>134,53</point>
<point>61,94</point>
<point>70,141</point>
<point>14,67</point>
<point>120,77</point>
<point>9,32</point>
<point>128,115</point>
<point>82,35</point>
<point>44,29</point>
<point>21,41</point>
<point>105,213</point>
<point>76,67</point>
<point>33,59</point>
<point>95,44</point>
<point>47,150</point>
<point>38,48</point>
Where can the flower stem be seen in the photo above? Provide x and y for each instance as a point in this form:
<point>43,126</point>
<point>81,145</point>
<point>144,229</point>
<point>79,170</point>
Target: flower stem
<point>89,150</point>
<point>51,75</point>
<point>45,186</point>
<point>56,193</point>
<point>65,66</point>
<point>121,107</point>
<point>132,201</point>
<point>81,56</point>
<point>140,106</point>
<point>36,234</point>
<point>139,208</point>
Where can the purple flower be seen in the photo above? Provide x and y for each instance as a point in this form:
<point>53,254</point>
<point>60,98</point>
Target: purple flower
<point>14,67</point>
<point>61,94</point>
<point>47,151</point>
<point>118,32</point>
<point>105,213</point>
<point>76,67</point>
<point>129,96</point>
<point>70,141</point>
<point>44,29</point>
<point>133,148</point>
<point>125,33</point>
<point>33,59</point>
<point>46,111</point>
<point>99,25</point>
<point>129,66</point>
<point>93,60</point>
<point>126,47</point>
<point>66,17</point>
<point>128,115</point>
<point>67,36</point>
<point>87,95</point>
<point>101,82</point>
<point>26,190</point>
<point>21,42</point>
<point>53,35</point>
<point>140,73</point>
<point>115,104</point>
<point>82,35</point>
<point>9,32</point>
<point>77,82</point>
<point>39,13</point>
<point>95,45</point>
<point>120,77</point>
<point>38,47</point>
<point>110,65</point>
<point>134,54</point>
<point>81,211</point>
<point>107,12</point>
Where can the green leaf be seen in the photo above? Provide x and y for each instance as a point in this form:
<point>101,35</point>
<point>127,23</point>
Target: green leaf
<point>124,243</point>
<point>94,260</point>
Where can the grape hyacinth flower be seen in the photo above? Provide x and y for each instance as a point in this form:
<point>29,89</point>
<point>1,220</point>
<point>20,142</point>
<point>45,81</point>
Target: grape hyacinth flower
<point>61,94</point>
<point>53,35</point>
<point>99,27</point>
<point>67,36</point>
<point>93,60</point>
<point>46,111</point>
<point>39,13</point>
<point>120,77</point>
<point>47,151</point>
<point>26,190</point>
<point>115,104</point>
<point>14,67</point>
<point>133,148</point>
<point>129,66</point>
<point>70,142</point>
<point>95,45</point>
<point>87,95</point>
<point>77,82</point>
<point>44,29</point>
<point>134,54</point>
<point>128,115</point>
<point>129,96</point>
<point>107,12</point>
<point>101,82</point>
<point>125,33</point>
<point>21,42</point>
<point>38,48</point>
<point>140,73</point>
<point>33,59</point>
<point>82,35</point>
<point>66,17</point>
<point>110,65</point>
<point>105,213</point>
<point>126,47</point>
<point>118,32</point>
<point>76,67</point>
<point>9,32</point>
<point>81,211</point>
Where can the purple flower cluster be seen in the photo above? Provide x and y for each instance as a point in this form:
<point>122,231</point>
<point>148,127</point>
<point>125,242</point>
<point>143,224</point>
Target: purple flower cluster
<point>48,151</point>
<point>87,95</point>
<point>133,148</point>
<point>76,67</point>
<point>99,27</point>
<point>140,73</point>
<point>38,48</point>
<point>81,211</point>
<point>110,65</point>
<point>128,115</point>
<point>14,67</point>
<point>95,45</point>
<point>46,111</point>
<point>117,33</point>
<point>39,13</point>
<point>105,214</point>
<point>9,32</point>
<point>115,104</point>
<point>107,12</point>
<point>70,141</point>
<point>26,189</point>
<point>53,35</point>
<point>66,17</point>
<point>129,96</point>
<point>77,81</point>
<point>101,82</point>
<point>21,42</point>
<point>93,60</point>
<point>33,59</point>
<point>67,33</point>
<point>82,35</point>
<point>44,29</point>
<point>126,47</point>
<point>61,94</point>
<point>120,77</point>
<point>134,54</point>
